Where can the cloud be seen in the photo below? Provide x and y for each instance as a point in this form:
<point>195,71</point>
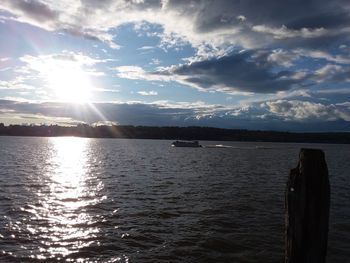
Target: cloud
<point>249,72</point>
<point>148,93</point>
<point>332,73</point>
<point>32,12</point>
<point>319,54</point>
<point>235,72</point>
<point>35,119</point>
<point>305,110</point>
<point>105,123</point>
<point>284,33</point>
<point>65,56</point>
<point>342,91</point>
<point>218,24</point>
<point>287,58</point>
<point>131,72</point>
<point>278,114</point>
<point>136,72</point>
<point>4,59</point>
<point>46,65</point>
<point>155,61</point>
<point>16,84</point>
<point>143,48</point>
<point>282,57</point>
<point>229,74</point>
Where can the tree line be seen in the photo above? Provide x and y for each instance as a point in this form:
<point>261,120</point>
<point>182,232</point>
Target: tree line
<point>171,133</point>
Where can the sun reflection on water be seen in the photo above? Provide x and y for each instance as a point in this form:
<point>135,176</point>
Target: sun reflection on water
<point>69,227</point>
<point>70,165</point>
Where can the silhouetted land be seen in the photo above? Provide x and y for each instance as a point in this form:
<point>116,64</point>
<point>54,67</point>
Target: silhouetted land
<point>172,133</point>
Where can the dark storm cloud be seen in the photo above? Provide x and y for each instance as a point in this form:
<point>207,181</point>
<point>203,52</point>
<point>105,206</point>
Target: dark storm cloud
<point>235,72</point>
<point>326,20</point>
<point>35,10</point>
<point>79,32</point>
<point>295,15</point>
<point>90,5</point>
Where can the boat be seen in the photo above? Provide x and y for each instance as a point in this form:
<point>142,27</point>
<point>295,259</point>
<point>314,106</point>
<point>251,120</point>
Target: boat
<point>186,144</point>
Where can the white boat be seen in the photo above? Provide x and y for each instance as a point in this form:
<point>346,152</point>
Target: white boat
<point>186,144</point>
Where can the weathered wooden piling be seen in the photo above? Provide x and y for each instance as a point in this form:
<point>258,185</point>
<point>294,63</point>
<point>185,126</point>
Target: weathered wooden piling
<point>307,200</point>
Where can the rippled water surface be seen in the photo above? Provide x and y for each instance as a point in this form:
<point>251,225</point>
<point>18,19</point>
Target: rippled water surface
<point>111,200</point>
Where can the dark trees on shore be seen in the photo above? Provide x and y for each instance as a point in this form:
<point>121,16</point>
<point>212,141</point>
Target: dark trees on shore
<point>171,133</point>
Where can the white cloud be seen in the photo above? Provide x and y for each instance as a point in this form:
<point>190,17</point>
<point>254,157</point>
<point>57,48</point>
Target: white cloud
<point>70,57</point>
<point>15,84</point>
<point>130,72</point>
<point>319,54</point>
<point>293,93</point>
<point>327,70</point>
<point>105,123</point>
<point>331,72</point>
<point>106,90</point>
<point>146,48</point>
<point>46,65</point>
<point>284,33</point>
<point>136,72</point>
<point>282,57</point>
<point>11,117</point>
<point>148,93</point>
<point>155,61</point>
<point>4,59</point>
<point>299,75</point>
<point>345,104</point>
<point>304,110</point>
<point>286,58</point>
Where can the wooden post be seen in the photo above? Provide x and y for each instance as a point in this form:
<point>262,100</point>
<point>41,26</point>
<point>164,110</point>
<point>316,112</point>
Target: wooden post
<point>307,201</point>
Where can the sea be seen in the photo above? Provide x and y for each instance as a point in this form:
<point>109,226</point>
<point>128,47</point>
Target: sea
<point>68,199</point>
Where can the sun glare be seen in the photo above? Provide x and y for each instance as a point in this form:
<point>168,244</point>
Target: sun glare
<point>70,84</point>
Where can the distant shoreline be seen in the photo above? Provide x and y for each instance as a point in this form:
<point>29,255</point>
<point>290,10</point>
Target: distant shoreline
<point>174,133</point>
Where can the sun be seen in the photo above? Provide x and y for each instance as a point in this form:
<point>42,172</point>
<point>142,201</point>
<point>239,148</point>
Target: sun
<point>69,83</point>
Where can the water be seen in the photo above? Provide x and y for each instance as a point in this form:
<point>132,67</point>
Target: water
<point>111,200</point>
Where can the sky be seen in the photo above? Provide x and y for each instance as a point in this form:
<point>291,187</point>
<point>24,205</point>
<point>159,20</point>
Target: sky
<point>253,64</point>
